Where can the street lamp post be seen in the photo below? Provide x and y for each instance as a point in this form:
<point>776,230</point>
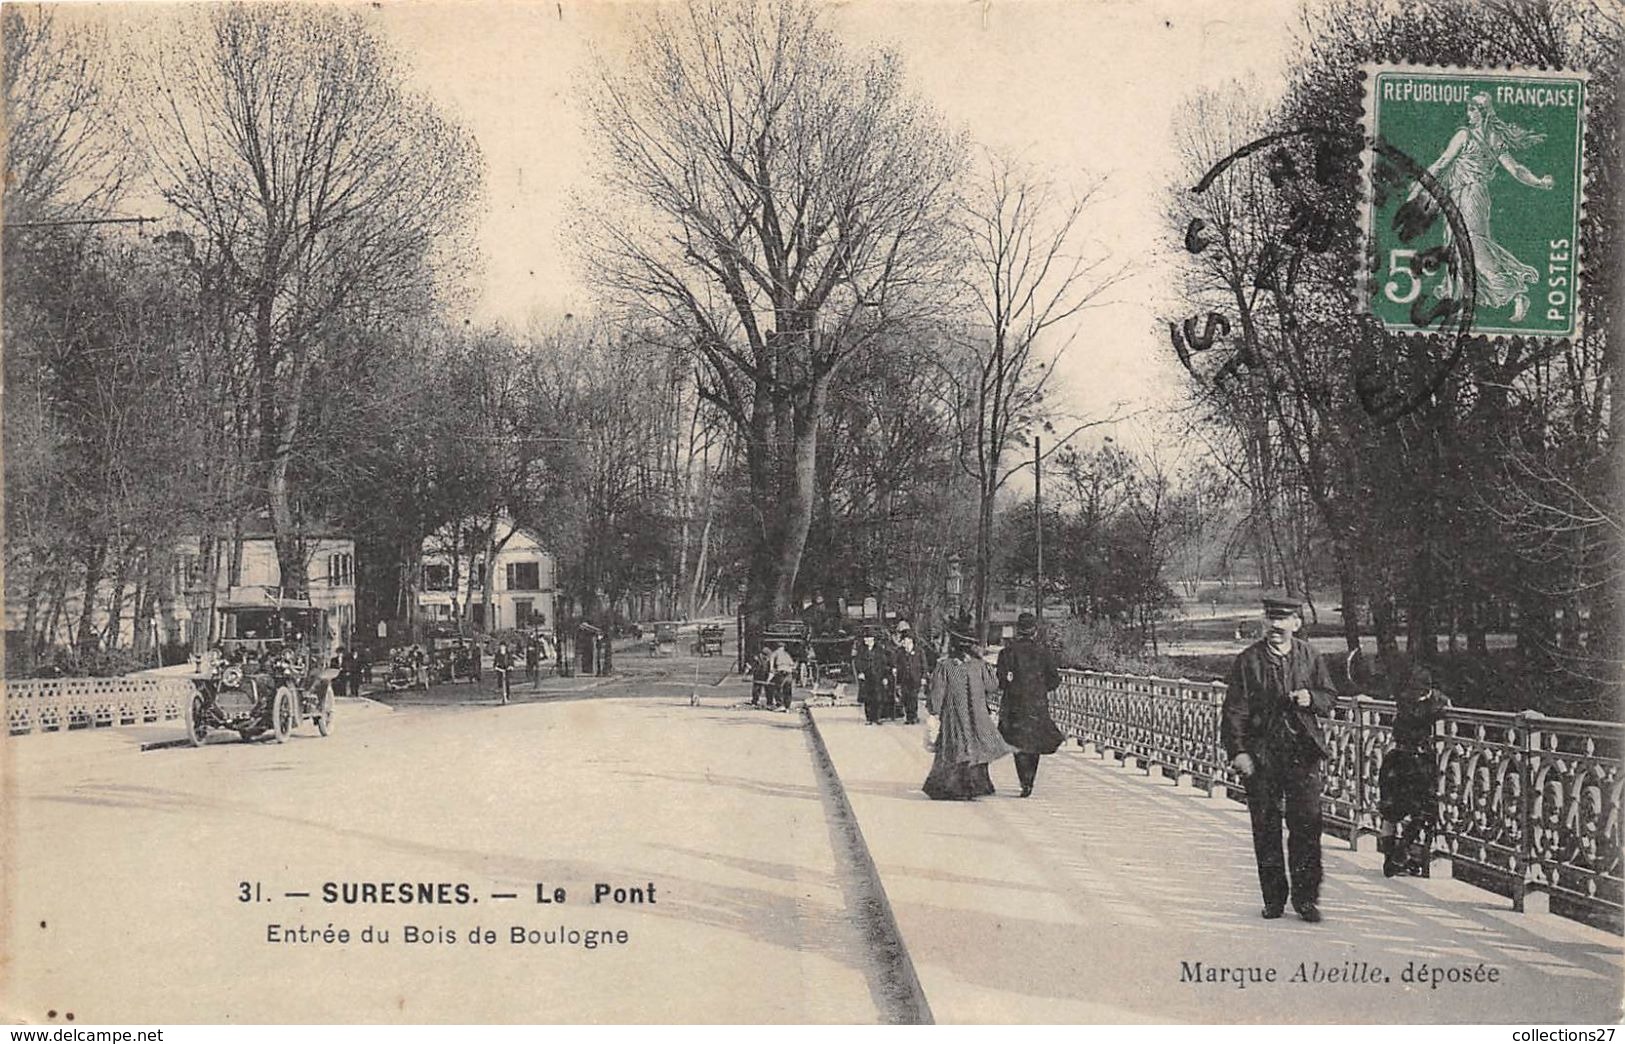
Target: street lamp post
<point>1038,529</point>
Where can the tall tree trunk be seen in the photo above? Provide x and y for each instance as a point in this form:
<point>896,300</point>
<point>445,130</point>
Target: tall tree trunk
<point>53,619</point>
<point>113,632</point>
<point>28,652</point>
<point>1348,589</point>
<point>799,494</point>
<point>95,561</point>
<point>141,629</point>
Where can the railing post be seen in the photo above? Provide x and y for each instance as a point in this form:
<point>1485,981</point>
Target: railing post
<point>1360,700</point>
<point>1524,729</point>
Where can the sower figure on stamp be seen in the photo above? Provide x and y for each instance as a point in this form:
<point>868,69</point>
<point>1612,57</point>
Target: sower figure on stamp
<point>1027,675</point>
<point>1278,692</point>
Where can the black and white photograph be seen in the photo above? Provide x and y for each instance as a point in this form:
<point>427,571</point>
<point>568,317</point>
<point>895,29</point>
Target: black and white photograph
<point>813,512</point>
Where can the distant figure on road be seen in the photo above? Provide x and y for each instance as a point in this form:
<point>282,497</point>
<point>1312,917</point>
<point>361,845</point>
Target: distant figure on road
<point>502,662</point>
<point>1277,694</point>
<point>533,662</point>
<point>967,742</point>
<point>1408,802</point>
<point>873,668</point>
<point>1027,675</point>
<point>349,679</point>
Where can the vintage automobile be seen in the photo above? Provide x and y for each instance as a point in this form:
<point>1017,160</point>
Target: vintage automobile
<point>403,672</point>
<point>454,658</point>
<point>268,673</point>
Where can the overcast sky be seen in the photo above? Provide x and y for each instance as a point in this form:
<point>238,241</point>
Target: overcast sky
<point>1082,88</point>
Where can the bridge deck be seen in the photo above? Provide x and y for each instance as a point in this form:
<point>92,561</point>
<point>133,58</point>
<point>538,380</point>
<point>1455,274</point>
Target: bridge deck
<point>1092,899</point>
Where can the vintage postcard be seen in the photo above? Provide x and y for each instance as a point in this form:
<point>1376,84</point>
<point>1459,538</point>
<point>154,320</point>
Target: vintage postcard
<point>728,512</point>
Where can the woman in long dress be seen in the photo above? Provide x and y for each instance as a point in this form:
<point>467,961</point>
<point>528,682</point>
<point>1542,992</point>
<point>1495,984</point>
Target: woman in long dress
<point>967,741</point>
<point>1464,171</point>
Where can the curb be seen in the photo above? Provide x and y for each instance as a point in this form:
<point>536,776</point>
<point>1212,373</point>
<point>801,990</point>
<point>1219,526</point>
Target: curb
<point>918,1008</point>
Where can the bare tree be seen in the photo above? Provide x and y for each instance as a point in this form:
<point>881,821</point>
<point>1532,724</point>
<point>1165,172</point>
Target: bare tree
<point>778,203</point>
<point>1025,278</point>
<point>63,154</point>
<point>284,136</point>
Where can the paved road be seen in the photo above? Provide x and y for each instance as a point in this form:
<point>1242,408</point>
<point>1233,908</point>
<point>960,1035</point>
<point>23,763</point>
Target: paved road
<point>1085,902</point>
<point>126,868</point>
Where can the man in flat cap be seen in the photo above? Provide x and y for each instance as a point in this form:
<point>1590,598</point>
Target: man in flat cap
<point>1277,694</point>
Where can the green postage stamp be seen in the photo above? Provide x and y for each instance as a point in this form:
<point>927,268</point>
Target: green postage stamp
<point>1489,156</point>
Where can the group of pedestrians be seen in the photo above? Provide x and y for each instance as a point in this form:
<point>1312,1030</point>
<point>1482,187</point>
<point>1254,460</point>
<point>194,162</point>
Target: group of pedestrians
<point>1277,698</point>
<point>889,674</point>
<point>351,672</point>
<point>967,741</point>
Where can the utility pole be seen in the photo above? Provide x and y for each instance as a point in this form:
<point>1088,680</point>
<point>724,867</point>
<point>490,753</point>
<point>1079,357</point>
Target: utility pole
<point>1038,529</point>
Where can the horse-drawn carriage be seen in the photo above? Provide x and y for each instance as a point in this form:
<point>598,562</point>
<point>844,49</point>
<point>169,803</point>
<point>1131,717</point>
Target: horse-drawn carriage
<point>663,639</point>
<point>776,685</point>
<point>832,665</point>
<point>708,640</point>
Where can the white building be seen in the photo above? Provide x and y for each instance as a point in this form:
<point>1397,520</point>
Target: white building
<point>329,578</point>
<point>180,610</point>
<point>524,590</point>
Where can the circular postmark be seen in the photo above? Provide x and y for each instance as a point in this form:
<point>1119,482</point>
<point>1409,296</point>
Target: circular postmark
<point>1300,215</point>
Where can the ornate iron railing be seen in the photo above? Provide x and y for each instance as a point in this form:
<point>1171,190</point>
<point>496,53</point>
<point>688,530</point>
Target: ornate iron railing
<point>35,705</point>
<point>1527,804</point>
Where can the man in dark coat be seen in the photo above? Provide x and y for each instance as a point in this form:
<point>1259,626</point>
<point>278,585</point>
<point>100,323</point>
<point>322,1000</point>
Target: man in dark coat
<point>1027,675</point>
<point>349,673</point>
<point>1276,696</point>
<point>874,673</point>
<point>908,662</point>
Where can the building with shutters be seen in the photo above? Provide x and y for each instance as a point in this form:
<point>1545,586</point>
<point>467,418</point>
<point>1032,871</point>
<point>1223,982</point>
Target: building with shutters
<point>522,574</point>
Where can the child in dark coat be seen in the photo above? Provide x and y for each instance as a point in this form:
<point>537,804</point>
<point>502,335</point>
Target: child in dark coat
<point>1408,802</point>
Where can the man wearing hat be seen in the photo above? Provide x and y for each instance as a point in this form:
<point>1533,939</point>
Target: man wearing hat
<point>908,667</point>
<point>873,668</point>
<point>1277,693</point>
<point>1027,675</point>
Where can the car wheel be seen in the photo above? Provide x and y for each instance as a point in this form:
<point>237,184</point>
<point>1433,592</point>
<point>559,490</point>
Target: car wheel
<point>283,715</point>
<point>324,715</point>
<point>196,728</point>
